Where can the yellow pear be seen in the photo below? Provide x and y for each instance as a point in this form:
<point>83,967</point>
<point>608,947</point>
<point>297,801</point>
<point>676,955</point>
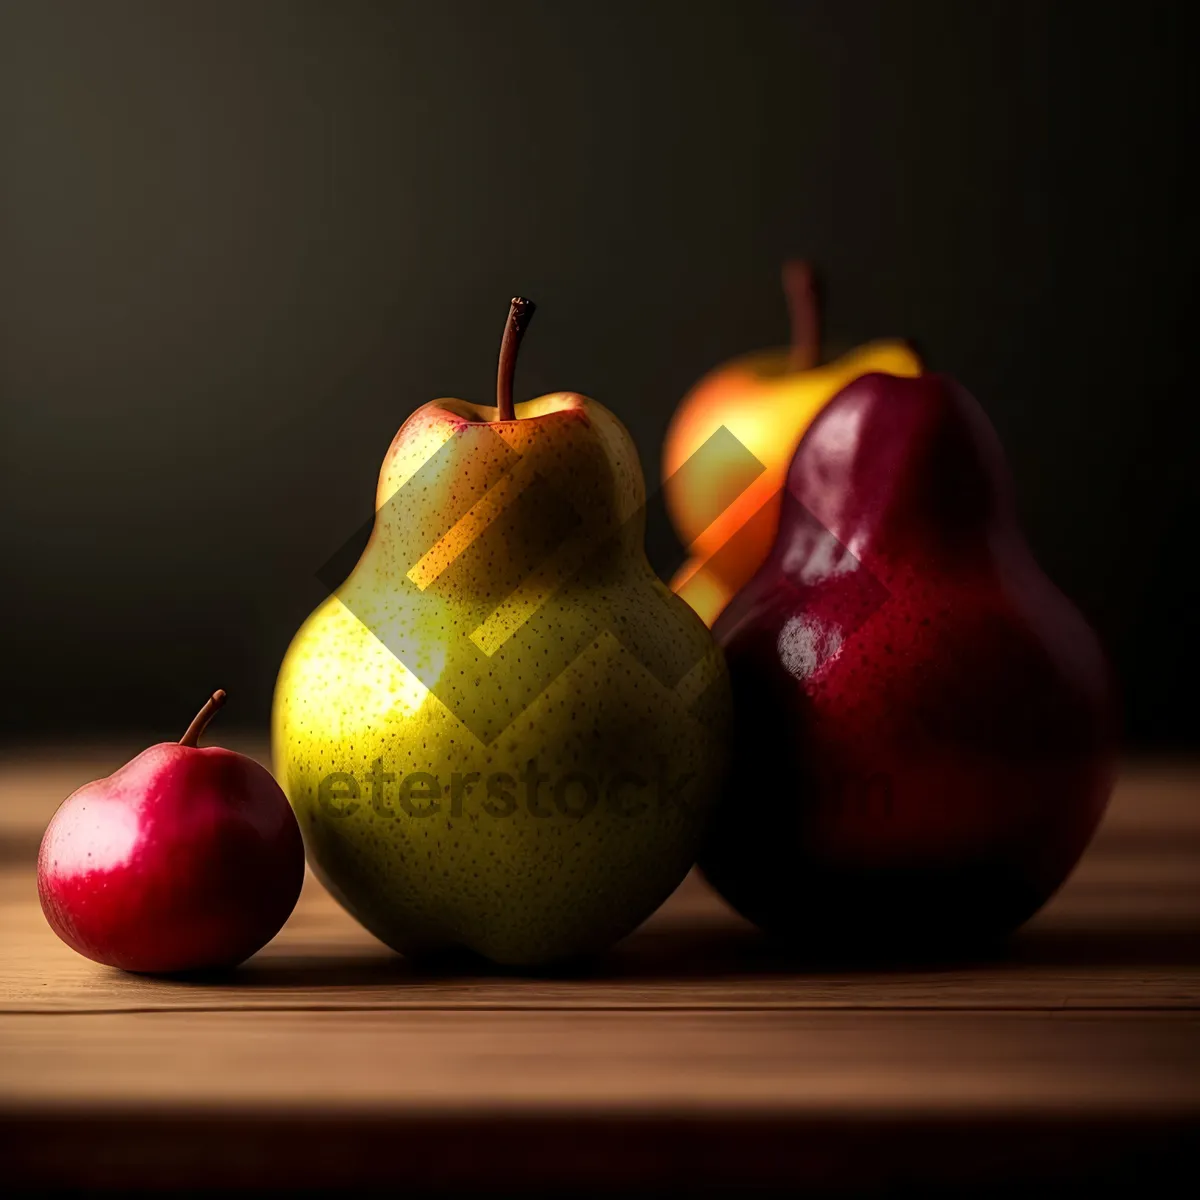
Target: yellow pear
<point>503,732</point>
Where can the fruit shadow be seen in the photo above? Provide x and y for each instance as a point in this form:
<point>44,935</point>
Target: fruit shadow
<point>695,938</point>
<point>722,954</point>
<point>1090,946</point>
<point>698,951</point>
<point>719,951</point>
<point>374,966</point>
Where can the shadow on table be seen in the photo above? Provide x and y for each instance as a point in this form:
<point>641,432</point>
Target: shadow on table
<point>725,952</point>
<point>719,951</point>
<point>1177,946</point>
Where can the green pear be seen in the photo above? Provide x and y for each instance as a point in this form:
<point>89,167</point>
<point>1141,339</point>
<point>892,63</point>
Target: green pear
<point>502,732</point>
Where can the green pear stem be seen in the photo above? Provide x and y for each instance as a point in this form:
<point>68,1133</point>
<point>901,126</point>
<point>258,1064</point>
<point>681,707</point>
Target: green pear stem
<point>201,719</point>
<point>801,291</point>
<point>519,312</point>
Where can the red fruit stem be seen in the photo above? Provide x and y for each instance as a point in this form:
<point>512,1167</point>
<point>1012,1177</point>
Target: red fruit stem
<point>800,289</point>
<point>201,719</point>
<point>519,312</point>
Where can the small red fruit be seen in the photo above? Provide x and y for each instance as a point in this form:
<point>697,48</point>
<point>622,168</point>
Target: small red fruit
<point>185,859</point>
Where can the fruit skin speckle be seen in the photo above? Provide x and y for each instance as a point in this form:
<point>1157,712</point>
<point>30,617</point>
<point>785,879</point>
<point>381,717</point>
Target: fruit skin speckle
<point>925,726</point>
<point>186,858</point>
<point>528,840</point>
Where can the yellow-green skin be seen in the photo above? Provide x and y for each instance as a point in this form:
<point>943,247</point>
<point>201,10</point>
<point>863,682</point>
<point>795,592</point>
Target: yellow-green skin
<point>645,694</point>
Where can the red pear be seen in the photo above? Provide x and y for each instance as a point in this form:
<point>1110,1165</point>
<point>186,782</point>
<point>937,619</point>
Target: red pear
<point>925,724</point>
<point>187,858</point>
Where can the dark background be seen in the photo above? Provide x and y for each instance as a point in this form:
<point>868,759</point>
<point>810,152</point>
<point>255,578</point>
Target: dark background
<point>240,242</point>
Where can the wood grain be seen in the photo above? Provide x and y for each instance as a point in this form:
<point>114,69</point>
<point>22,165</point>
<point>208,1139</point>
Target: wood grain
<point>605,1062</point>
<point>692,1052</point>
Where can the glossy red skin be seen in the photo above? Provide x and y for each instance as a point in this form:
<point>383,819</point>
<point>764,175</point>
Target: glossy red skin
<point>926,726</point>
<point>185,859</point>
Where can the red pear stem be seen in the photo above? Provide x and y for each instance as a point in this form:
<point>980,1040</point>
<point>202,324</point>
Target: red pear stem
<point>519,312</point>
<point>201,719</point>
<point>801,291</point>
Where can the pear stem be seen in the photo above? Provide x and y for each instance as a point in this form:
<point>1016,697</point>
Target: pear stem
<point>801,291</point>
<point>519,312</point>
<point>201,719</point>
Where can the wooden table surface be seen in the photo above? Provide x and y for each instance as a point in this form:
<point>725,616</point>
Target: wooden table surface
<point>692,1055</point>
